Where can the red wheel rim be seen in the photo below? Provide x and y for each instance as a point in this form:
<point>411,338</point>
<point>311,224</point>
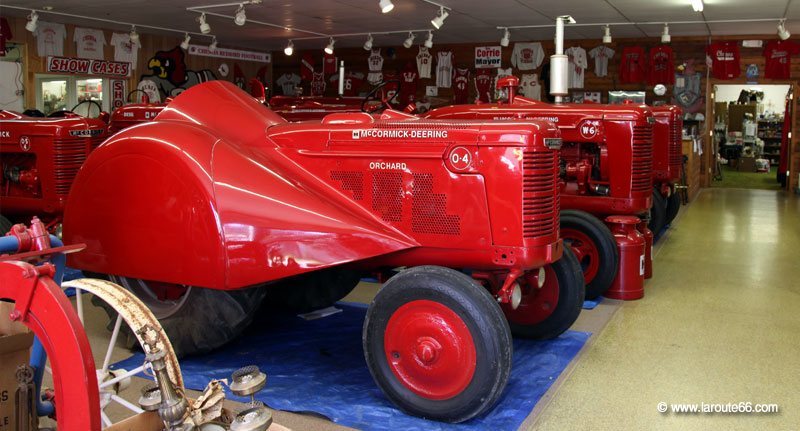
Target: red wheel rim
<point>537,303</point>
<point>430,349</point>
<point>585,250</point>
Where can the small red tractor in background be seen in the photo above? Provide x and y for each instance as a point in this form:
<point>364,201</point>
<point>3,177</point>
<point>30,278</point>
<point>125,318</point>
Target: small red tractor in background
<point>606,169</point>
<point>134,113</point>
<point>312,206</point>
<point>667,164</point>
<point>39,158</point>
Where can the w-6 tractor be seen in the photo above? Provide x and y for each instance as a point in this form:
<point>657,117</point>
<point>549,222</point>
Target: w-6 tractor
<point>667,163</point>
<point>39,157</point>
<point>606,164</point>
<point>219,202</point>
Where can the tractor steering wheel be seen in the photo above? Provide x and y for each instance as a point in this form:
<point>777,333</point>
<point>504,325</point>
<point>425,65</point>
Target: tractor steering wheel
<point>145,99</point>
<point>385,102</point>
<point>88,109</point>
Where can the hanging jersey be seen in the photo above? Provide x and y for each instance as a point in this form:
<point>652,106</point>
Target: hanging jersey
<point>498,94</point>
<point>375,63</point>
<point>527,56</point>
<point>529,86</point>
<point>329,64</point>
<point>483,85</point>
<point>424,60</point>
<point>5,34</point>
<point>461,86</point>
<point>601,55</point>
<point>577,65</point>
<point>724,60</point>
<point>352,82</point>
<point>662,66</point>
<point>444,69</point>
<point>408,91</point>
<point>778,55</point>
<point>288,83</point>
<point>633,67</point>
<point>318,84</point>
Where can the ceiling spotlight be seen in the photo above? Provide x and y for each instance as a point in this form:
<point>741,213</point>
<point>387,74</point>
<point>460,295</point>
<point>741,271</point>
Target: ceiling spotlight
<point>329,48</point>
<point>185,43</point>
<point>429,40</point>
<point>607,34</point>
<point>241,17</point>
<point>409,40</point>
<point>134,35</point>
<point>204,27</point>
<point>505,39</point>
<point>213,44</point>
<point>33,21</point>
<point>665,37</point>
<point>697,5</point>
<point>289,50</point>
<point>386,6</point>
<point>782,32</point>
<point>368,43</point>
<point>438,22</point>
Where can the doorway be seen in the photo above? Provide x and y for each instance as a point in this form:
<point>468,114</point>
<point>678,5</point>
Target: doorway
<point>751,136</point>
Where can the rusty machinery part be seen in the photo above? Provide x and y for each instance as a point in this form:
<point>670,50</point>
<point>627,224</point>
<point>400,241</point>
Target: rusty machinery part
<point>174,406</point>
<point>246,381</point>
<point>256,417</point>
<point>150,399</point>
<point>135,314</point>
<point>25,399</point>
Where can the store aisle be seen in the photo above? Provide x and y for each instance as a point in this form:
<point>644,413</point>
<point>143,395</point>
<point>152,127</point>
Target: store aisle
<point>718,324</point>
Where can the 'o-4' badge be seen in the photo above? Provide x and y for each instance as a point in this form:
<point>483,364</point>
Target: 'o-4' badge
<point>460,158</point>
<point>25,143</point>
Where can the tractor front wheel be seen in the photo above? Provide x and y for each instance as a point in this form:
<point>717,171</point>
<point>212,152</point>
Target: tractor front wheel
<point>437,344</point>
<point>5,225</point>
<point>594,247</point>
<point>196,320</point>
<point>673,206</point>
<point>658,213</point>
<point>547,311</point>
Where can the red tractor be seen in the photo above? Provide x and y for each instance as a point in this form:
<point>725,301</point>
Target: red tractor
<point>667,164</point>
<point>220,202</point>
<point>606,164</point>
<point>302,108</point>
<point>131,114</point>
<point>39,158</point>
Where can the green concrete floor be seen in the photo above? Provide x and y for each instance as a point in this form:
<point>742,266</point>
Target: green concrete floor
<point>718,324</point>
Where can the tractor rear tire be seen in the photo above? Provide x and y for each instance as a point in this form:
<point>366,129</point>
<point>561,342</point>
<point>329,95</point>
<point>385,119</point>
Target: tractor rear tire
<point>437,344</point>
<point>673,206</point>
<point>202,319</point>
<point>311,291</point>
<point>595,248</point>
<point>657,214</point>
<point>5,225</point>
<point>549,311</point>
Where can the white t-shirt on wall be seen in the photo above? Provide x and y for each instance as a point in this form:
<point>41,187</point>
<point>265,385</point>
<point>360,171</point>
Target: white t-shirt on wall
<point>529,86</point>
<point>577,66</point>
<point>50,38</point>
<point>90,42</point>
<point>527,56</point>
<point>601,55</point>
<point>288,83</point>
<point>124,49</point>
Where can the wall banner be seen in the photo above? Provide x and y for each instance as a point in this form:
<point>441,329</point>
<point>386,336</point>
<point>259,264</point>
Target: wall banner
<point>119,89</point>
<point>232,54</point>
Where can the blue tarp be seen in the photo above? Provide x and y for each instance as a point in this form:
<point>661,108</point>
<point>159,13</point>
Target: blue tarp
<point>318,366</point>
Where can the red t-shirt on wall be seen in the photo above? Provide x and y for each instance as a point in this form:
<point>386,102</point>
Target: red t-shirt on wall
<point>5,34</point>
<point>408,89</point>
<point>778,55</point>
<point>662,66</point>
<point>724,60</point>
<point>460,86</point>
<point>634,65</point>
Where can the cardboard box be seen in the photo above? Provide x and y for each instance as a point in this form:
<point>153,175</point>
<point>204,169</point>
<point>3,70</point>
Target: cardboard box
<point>747,164</point>
<point>15,344</point>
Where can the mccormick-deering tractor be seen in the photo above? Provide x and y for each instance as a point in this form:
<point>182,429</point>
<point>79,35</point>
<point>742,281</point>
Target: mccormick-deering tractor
<point>606,164</point>
<point>133,113</point>
<point>219,201</point>
<point>667,164</point>
<point>39,158</point>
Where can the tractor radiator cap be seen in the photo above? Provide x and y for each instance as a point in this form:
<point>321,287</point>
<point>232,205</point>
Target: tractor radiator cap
<point>151,398</point>
<point>247,380</point>
<point>255,418</point>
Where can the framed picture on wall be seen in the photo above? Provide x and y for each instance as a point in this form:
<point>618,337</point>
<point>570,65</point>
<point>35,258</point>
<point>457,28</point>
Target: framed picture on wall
<point>619,97</point>
<point>592,96</point>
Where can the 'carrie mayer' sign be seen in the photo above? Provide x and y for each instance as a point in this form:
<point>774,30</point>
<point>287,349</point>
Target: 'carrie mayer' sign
<point>487,57</point>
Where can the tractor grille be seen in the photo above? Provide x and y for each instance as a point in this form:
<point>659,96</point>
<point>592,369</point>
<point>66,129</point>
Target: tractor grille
<point>675,142</point>
<point>97,140</point>
<point>642,158</point>
<point>68,156</point>
<point>540,202</point>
